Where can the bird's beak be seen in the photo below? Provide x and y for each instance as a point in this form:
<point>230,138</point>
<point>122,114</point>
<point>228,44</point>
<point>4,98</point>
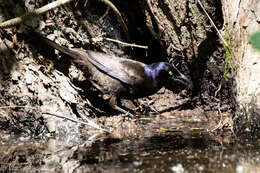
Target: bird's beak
<point>181,78</point>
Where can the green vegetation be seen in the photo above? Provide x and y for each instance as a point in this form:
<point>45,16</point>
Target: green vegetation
<point>254,40</point>
<point>229,56</point>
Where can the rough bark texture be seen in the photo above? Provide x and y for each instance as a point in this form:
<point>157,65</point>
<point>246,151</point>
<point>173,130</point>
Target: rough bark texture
<point>186,36</point>
<point>242,18</point>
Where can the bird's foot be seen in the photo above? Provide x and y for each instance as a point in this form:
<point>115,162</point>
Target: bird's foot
<point>127,113</point>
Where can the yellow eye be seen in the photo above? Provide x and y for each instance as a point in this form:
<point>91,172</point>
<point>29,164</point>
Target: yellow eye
<point>170,73</point>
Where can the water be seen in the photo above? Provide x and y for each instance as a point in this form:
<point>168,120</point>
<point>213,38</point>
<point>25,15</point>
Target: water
<point>167,152</point>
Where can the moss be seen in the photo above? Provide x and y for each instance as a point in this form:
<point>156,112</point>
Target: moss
<point>229,66</point>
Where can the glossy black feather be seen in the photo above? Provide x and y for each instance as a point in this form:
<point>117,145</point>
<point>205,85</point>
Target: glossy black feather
<point>121,78</point>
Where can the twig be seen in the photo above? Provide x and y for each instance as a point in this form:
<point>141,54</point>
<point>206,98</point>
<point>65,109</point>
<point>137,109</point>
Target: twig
<point>219,125</point>
<point>104,15</point>
<point>211,21</point>
<point>219,88</point>
<point>89,123</point>
<point>7,107</point>
<point>126,44</point>
<point>119,17</point>
<point>36,12</point>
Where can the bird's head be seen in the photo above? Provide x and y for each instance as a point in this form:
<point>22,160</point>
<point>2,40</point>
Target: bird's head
<point>163,72</point>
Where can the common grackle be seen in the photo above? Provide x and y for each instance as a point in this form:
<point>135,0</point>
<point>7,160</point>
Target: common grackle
<point>119,78</point>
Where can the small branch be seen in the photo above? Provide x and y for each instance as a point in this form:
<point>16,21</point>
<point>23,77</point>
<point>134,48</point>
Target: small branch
<point>126,44</point>
<point>37,12</point>
<point>8,107</point>
<point>211,21</point>
<point>119,17</point>
<point>101,38</point>
<point>89,123</point>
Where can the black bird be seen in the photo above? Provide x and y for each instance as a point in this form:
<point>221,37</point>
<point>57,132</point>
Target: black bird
<point>119,78</point>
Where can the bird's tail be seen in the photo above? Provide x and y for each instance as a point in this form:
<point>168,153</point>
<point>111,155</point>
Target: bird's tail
<point>74,54</point>
<point>78,56</point>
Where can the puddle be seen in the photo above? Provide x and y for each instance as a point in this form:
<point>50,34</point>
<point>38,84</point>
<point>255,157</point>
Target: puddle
<point>180,141</point>
<point>168,151</point>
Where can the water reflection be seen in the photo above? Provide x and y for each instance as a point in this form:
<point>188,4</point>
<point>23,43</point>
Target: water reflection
<point>168,153</point>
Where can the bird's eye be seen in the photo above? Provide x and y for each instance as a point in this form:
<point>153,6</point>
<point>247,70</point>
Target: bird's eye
<point>170,73</point>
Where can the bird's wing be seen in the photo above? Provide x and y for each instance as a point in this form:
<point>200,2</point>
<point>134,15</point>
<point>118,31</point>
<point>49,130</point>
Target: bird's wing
<point>128,71</point>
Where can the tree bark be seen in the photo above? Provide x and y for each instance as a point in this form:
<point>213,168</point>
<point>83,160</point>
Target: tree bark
<point>186,36</point>
<point>242,18</point>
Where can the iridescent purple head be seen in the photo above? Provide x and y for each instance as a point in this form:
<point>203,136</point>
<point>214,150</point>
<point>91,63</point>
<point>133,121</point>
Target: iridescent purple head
<point>162,72</point>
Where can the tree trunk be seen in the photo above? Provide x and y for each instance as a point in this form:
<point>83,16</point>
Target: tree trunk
<point>242,19</point>
<point>186,36</point>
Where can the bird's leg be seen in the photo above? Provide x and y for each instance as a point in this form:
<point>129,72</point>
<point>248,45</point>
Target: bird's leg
<point>113,104</point>
<point>137,104</point>
<point>151,107</point>
<point>144,107</point>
